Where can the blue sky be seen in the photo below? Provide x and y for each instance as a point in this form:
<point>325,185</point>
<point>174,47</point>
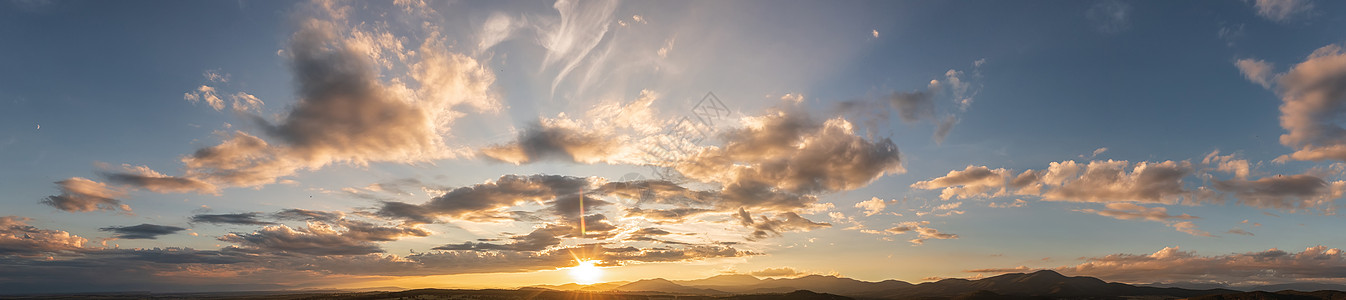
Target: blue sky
<point>919,140</point>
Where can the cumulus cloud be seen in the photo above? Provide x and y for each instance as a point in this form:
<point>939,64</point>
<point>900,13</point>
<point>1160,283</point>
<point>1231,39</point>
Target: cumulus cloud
<point>1307,91</point>
<point>1110,181</point>
<point>972,181</point>
<point>1229,164</point>
<point>789,151</point>
<point>20,239</point>
<point>348,111</point>
<point>1282,10</point>
<point>1173,265</point>
<point>80,195</point>
<point>872,206</point>
<point>142,231</point>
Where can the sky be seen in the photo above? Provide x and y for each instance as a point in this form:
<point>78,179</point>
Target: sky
<point>231,145</point>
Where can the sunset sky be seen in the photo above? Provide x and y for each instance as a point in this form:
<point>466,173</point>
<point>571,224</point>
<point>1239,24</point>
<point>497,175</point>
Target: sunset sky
<point>231,145</point>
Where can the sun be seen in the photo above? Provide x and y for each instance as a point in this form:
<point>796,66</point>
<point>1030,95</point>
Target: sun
<point>586,272</point>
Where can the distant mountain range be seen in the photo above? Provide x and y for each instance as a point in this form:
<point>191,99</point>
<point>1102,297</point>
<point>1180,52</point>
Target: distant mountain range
<point>1037,285</point>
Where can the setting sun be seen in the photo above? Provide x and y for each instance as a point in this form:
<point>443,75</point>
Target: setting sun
<point>586,272</point>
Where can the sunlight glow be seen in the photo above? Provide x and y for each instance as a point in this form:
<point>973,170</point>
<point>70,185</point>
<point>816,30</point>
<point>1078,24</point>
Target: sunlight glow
<point>587,272</point>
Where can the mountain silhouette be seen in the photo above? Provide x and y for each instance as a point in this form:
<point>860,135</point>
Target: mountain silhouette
<point>665,286</point>
<point>1044,284</point>
<point>1041,283</point>
<point>816,283</point>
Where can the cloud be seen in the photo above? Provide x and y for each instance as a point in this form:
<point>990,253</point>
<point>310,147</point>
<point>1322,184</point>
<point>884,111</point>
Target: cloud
<point>790,152</point>
<point>1282,10</point>
<point>1303,192</point>
<point>1240,231</point>
<point>232,219</point>
<point>1128,211</point>
<point>581,27</point>
<point>1016,203</point>
<point>146,178</point>
<point>776,272</point>
<point>80,195</point>
<point>244,103</point>
<point>538,240</point>
<point>1110,16</point>
<point>612,132</point>
<point>485,200</point>
<point>1110,181</point>
<point>915,106</point>
<point>1307,90</point>
<point>923,233</point>
<point>314,239</point>
<point>207,94</point>
<point>142,231</point>
<point>784,222</point>
<point>1256,70</point>
<point>1227,163</point>
<point>1173,265</point>
<point>19,239</point>
<point>348,111</point>
<point>972,181</point>
<point>872,206</point>
<point>1189,228</point>
<point>557,140</point>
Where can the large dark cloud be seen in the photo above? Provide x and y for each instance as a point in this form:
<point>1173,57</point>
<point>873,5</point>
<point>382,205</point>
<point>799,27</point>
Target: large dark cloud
<point>142,231</point>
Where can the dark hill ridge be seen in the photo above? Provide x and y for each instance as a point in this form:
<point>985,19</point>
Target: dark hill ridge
<point>1044,284</point>
<point>1041,283</point>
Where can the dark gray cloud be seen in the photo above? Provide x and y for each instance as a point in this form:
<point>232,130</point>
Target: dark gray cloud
<point>914,106</point>
<point>486,200</point>
<point>321,240</point>
<point>1290,193</point>
<point>785,222</point>
<point>146,178</point>
<point>550,140</point>
<point>308,215</point>
<point>80,195</point>
<point>231,219</point>
<point>142,231</point>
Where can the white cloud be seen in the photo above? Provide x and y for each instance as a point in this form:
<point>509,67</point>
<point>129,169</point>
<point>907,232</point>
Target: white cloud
<point>1282,10</point>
